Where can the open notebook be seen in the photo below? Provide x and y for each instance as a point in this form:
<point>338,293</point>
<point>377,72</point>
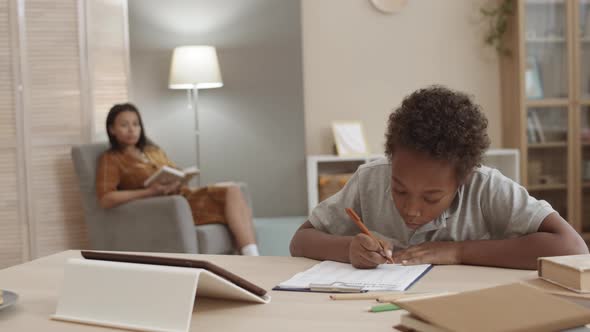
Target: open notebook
<point>335,277</point>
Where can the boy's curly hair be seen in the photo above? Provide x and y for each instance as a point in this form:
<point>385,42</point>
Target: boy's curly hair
<point>442,123</point>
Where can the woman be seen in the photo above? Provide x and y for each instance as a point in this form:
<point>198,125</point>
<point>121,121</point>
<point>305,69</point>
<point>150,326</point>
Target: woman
<point>132,158</point>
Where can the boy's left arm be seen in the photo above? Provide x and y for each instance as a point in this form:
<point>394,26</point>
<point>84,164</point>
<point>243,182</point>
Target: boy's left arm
<point>555,237</point>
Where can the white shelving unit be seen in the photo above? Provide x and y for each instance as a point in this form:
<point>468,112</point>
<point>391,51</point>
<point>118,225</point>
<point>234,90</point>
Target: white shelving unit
<point>330,164</point>
<point>506,160</point>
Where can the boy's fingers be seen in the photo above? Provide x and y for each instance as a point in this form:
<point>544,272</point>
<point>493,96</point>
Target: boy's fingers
<point>412,251</point>
<point>388,250</point>
<point>360,261</point>
<point>375,258</point>
<point>388,253</point>
<point>367,242</point>
<point>386,245</point>
<point>365,252</point>
<point>370,259</point>
<point>400,257</point>
<point>412,261</point>
<point>416,257</point>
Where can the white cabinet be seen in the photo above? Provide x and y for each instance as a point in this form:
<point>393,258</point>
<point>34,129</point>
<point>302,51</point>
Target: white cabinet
<point>506,160</point>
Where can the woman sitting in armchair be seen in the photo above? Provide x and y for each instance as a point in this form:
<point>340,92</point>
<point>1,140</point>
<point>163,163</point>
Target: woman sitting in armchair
<point>132,159</point>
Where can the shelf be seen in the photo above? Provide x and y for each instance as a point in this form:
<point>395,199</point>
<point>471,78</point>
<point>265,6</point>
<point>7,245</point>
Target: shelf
<point>545,2</point>
<point>546,40</point>
<point>547,187</point>
<point>554,40</point>
<point>548,145</point>
<point>548,103</point>
<point>335,158</point>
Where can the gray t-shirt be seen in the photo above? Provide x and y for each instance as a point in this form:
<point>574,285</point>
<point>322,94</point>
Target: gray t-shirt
<point>489,206</point>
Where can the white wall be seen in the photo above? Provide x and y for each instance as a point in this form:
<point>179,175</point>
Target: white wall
<point>251,128</point>
<point>360,63</point>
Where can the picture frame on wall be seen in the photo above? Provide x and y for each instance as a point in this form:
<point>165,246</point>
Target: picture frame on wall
<point>349,138</point>
<point>533,86</point>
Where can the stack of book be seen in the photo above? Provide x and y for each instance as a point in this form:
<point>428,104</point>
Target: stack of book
<point>571,272</point>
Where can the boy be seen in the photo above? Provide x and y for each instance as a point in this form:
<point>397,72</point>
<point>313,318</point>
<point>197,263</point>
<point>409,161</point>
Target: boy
<point>431,202</point>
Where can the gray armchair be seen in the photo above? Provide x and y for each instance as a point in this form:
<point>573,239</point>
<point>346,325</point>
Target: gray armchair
<point>158,224</point>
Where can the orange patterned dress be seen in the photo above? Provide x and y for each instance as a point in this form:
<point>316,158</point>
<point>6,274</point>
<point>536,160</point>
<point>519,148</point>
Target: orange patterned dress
<point>120,171</point>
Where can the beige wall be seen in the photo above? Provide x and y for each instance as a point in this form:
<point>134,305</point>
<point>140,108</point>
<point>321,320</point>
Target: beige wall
<point>358,63</point>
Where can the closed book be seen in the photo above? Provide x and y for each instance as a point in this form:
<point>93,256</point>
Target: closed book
<point>572,272</point>
<point>510,308</point>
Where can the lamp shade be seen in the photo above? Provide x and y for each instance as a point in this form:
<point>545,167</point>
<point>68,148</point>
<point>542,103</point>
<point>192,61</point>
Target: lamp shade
<point>194,67</point>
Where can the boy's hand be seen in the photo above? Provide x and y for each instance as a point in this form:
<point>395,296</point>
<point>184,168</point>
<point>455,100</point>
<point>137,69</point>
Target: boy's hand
<point>440,253</point>
<point>365,253</point>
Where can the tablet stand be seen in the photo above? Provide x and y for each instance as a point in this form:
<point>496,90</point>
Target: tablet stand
<point>139,296</point>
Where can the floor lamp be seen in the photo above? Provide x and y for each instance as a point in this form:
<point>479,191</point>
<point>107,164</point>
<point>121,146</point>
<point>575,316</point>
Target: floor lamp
<point>193,68</point>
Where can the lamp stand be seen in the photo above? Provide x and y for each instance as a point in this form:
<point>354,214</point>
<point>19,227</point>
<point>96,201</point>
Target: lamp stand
<point>193,95</point>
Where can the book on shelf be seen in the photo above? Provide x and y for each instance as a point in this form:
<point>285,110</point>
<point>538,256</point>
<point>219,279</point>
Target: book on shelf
<point>571,272</point>
<point>532,78</point>
<point>167,175</point>
<point>510,307</point>
<point>531,132</point>
<point>537,127</point>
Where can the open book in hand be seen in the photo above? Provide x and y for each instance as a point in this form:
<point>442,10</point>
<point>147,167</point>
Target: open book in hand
<point>167,175</point>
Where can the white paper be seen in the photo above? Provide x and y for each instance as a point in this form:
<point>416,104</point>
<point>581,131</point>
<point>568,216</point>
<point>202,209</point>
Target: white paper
<point>394,277</point>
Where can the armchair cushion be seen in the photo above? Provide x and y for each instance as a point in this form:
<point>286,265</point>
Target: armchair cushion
<point>214,239</point>
<point>158,224</point>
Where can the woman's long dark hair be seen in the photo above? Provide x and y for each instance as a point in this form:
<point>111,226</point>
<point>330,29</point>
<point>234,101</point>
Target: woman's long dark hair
<point>113,113</point>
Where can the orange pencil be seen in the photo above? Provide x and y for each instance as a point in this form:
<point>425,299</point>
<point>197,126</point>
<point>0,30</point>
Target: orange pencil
<point>357,220</point>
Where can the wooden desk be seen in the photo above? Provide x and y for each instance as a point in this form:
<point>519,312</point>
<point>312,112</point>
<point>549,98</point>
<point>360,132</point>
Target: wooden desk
<point>38,284</point>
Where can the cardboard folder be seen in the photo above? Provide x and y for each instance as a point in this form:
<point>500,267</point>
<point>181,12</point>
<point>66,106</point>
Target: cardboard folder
<point>512,307</point>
